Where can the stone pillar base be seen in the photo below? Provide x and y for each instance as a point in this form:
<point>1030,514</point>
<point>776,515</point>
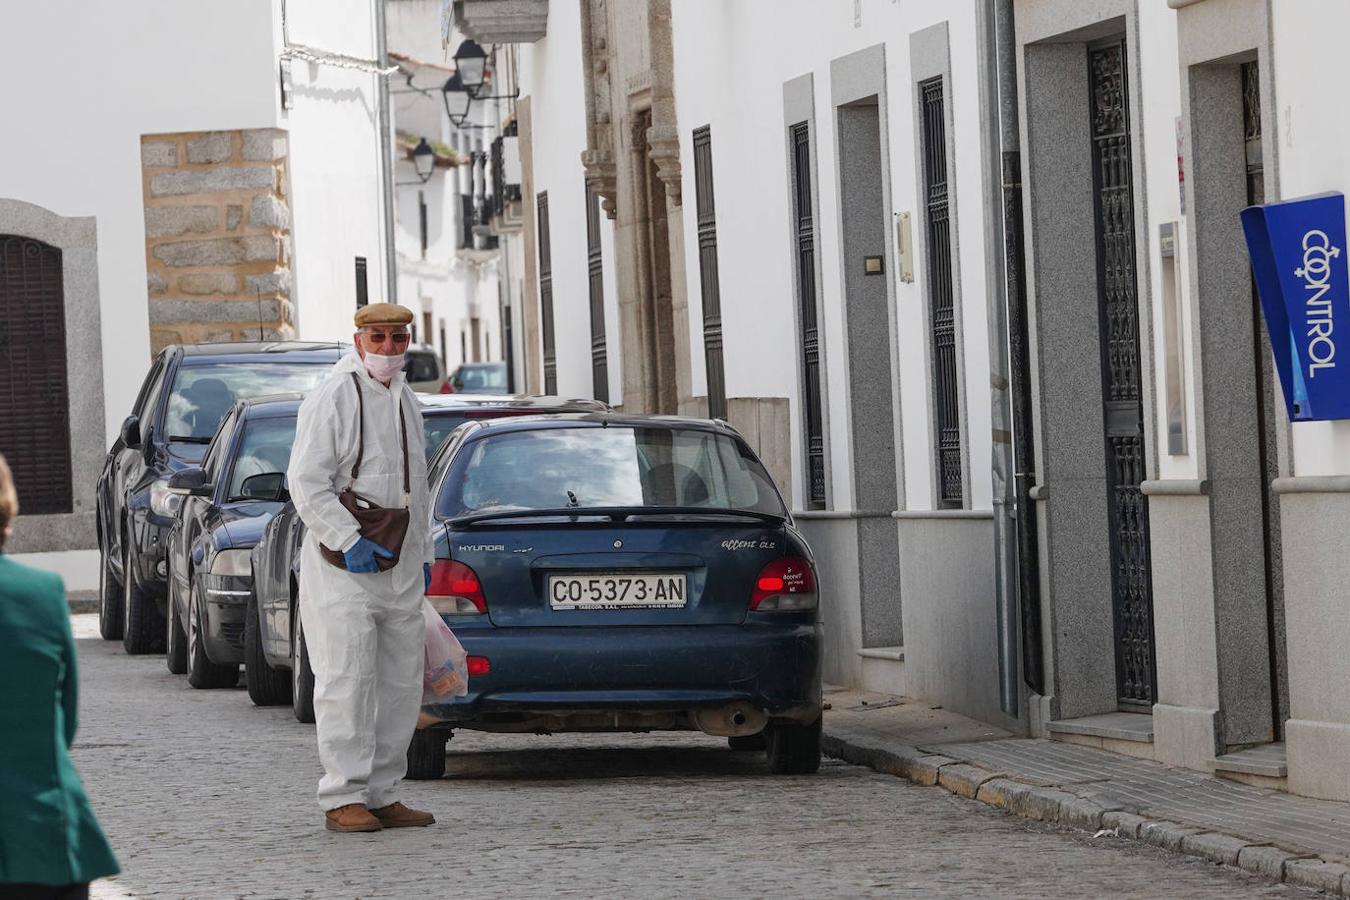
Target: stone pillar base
<point>1185,736</point>
<point>1040,714</point>
<point>1319,759</point>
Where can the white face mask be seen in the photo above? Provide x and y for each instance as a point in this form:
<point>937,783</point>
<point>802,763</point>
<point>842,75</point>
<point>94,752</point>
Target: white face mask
<point>383,368</point>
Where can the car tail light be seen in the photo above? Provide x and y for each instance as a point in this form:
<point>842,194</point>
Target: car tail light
<point>447,387</point>
<point>478,666</point>
<point>783,585</point>
<point>455,589</point>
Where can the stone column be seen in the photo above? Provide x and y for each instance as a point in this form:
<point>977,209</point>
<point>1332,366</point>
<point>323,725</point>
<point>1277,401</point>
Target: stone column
<point>217,236</point>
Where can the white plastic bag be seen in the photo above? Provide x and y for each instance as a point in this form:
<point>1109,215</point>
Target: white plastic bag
<point>446,671</point>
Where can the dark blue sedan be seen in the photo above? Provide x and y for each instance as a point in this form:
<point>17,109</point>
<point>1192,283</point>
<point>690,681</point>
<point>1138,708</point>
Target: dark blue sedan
<point>227,503</point>
<point>623,573</point>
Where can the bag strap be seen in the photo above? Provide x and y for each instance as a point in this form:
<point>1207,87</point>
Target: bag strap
<point>403,427</point>
<point>360,429</point>
<point>361,442</point>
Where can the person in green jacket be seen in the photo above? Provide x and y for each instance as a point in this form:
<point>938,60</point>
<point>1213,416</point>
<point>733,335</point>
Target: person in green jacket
<point>50,843</point>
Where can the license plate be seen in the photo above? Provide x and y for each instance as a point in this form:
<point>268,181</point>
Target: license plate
<point>616,590</point>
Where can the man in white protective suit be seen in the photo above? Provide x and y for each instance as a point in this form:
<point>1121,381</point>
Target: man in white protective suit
<point>363,626</point>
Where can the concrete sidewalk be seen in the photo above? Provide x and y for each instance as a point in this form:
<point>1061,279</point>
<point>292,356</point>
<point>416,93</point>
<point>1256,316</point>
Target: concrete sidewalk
<point>1283,837</point>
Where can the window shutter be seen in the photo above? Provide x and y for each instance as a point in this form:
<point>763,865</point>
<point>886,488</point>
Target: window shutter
<point>942,319</point>
<point>708,279</point>
<point>546,297</point>
<point>596,271</point>
<point>34,396</point>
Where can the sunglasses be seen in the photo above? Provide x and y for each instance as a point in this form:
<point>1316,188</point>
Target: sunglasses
<point>379,336</point>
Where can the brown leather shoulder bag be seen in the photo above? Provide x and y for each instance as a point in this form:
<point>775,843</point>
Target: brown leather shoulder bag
<point>383,525</point>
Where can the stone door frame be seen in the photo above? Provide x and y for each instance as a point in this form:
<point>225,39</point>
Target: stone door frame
<point>77,239</point>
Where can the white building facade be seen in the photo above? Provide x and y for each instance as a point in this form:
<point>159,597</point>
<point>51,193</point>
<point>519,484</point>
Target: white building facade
<point>804,211</point>
<point>446,274</point>
<point>188,172</point>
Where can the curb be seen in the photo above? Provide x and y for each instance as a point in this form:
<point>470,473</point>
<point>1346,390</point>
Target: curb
<point>1061,807</point>
<point>82,601</point>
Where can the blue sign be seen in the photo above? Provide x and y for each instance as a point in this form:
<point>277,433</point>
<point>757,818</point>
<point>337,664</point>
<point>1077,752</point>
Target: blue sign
<point>1297,250</point>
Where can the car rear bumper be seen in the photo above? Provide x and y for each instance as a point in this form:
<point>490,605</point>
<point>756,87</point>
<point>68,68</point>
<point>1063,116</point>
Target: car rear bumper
<point>773,668</point>
<point>225,606</point>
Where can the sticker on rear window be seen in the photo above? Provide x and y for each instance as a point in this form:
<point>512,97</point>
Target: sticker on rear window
<point>735,544</point>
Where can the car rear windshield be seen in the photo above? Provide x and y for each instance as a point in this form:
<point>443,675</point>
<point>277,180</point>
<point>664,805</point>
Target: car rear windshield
<point>483,379</point>
<point>438,423</point>
<point>266,449</point>
<point>420,367</point>
<point>203,394</point>
<point>557,468</point>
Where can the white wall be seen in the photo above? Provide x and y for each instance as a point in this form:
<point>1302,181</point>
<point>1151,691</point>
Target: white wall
<point>1313,130</point>
<point>731,60</point>
<point>439,282</point>
<point>1156,183</point>
<point>160,66</point>
<point>414,28</point>
<point>551,74</point>
<point>72,142</point>
<point>335,181</point>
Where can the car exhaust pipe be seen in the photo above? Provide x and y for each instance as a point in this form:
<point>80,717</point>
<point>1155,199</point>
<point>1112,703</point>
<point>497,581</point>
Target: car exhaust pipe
<point>733,720</point>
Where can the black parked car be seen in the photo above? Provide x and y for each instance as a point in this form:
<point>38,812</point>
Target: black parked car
<point>280,645</point>
<point>180,404</point>
<point>227,502</point>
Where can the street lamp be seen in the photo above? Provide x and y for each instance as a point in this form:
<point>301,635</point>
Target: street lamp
<point>471,64</point>
<point>457,100</point>
<point>424,160</point>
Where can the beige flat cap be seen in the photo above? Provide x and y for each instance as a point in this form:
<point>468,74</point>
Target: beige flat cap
<point>383,314</point>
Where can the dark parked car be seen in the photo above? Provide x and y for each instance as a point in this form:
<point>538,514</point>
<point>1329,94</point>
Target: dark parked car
<point>478,378</point>
<point>623,573</point>
<point>227,502</point>
<point>180,404</point>
<point>276,560</point>
<point>423,370</point>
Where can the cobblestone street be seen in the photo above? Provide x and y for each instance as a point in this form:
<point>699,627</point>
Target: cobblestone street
<point>204,795</point>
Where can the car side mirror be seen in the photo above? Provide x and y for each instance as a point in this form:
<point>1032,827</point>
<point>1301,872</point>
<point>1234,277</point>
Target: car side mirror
<point>190,482</point>
<point>131,433</point>
<point>267,486</point>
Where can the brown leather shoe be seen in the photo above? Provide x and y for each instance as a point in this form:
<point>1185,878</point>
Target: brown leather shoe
<point>352,817</point>
<point>396,815</point>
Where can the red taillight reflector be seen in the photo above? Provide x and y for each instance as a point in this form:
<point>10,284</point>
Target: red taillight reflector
<point>451,578</point>
<point>447,388</point>
<point>479,666</point>
<point>788,583</point>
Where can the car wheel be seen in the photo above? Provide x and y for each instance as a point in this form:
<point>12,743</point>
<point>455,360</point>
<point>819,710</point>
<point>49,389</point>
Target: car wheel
<point>426,755</point>
<point>302,676</point>
<point>747,742</point>
<point>266,686</point>
<point>175,641</point>
<point>793,749</point>
<point>143,626</point>
<point>109,598</point>
<point>201,672</point>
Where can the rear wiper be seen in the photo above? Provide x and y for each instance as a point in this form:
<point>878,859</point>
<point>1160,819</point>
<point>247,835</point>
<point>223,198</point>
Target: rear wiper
<point>614,513</point>
<point>189,439</point>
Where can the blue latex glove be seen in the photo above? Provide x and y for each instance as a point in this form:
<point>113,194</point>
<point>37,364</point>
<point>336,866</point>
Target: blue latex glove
<point>361,557</point>
<point>426,577</point>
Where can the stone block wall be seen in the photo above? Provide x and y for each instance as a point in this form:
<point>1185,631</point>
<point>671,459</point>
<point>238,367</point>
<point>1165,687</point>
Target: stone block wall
<point>217,236</point>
